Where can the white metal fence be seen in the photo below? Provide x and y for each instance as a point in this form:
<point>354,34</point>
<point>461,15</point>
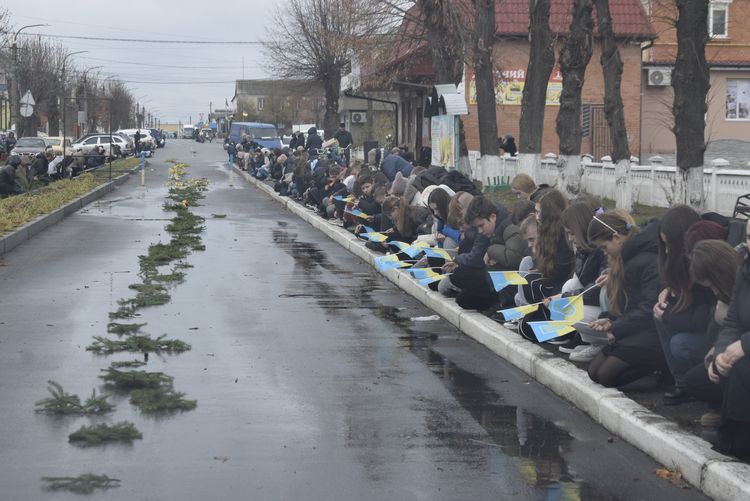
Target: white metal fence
<point>652,184</point>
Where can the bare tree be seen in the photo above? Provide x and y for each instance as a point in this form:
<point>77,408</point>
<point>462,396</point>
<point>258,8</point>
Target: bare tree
<point>691,84</point>
<point>315,40</point>
<point>574,58</point>
<point>534,98</point>
<point>122,104</point>
<point>484,70</point>
<point>613,109</point>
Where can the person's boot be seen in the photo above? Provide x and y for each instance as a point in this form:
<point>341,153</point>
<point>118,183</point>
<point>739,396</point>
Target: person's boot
<point>676,396</point>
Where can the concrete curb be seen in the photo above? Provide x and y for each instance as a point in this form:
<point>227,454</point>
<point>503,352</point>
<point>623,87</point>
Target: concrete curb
<point>718,476</point>
<point>36,226</point>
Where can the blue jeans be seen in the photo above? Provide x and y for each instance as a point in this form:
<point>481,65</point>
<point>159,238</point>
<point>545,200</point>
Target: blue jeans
<point>682,350</point>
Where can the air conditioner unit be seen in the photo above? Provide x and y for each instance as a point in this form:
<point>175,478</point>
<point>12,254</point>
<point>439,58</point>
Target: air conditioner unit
<point>659,77</point>
<point>359,117</point>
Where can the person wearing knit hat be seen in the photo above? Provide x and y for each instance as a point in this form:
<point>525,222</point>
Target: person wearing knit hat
<point>399,185</point>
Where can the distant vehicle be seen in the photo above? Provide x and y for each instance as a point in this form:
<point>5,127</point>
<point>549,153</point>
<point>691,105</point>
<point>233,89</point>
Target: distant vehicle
<point>56,143</point>
<point>146,137</point>
<point>120,146</point>
<point>188,131</point>
<point>263,134</point>
<point>29,147</point>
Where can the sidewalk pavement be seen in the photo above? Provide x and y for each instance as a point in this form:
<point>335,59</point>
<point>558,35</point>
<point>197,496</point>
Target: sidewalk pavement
<point>718,476</point>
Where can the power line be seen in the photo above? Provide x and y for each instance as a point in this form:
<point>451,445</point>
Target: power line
<point>144,40</point>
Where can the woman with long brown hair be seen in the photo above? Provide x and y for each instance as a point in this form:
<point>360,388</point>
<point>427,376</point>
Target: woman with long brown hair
<point>632,287</point>
<point>683,311</point>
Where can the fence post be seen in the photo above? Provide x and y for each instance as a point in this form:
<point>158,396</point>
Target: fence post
<point>655,162</point>
<point>605,160</point>
<point>717,163</point>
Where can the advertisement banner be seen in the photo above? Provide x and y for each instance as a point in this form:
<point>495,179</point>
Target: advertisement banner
<point>510,84</point>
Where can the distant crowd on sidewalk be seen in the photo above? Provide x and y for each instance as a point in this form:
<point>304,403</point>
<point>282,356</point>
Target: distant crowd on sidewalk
<point>667,299</point>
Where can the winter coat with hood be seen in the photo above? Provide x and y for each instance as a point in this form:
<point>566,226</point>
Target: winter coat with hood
<point>395,163</point>
<point>640,284</point>
<point>507,246</point>
<point>737,323</point>
<point>314,141</point>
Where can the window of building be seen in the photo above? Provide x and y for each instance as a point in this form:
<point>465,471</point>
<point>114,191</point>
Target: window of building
<point>738,99</point>
<point>261,103</point>
<point>718,19</point>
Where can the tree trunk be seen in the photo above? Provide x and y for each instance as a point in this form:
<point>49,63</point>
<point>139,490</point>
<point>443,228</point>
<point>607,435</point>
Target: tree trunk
<point>484,72</point>
<point>442,36</point>
<point>574,58</point>
<point>691,83</point>
<point>613,108</point>
<point>332,88</point>
<point>534,99</point>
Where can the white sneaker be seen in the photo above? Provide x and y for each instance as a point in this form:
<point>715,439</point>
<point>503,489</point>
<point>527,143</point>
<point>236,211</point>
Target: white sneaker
<point>585,353</point>
<point>511,325</point>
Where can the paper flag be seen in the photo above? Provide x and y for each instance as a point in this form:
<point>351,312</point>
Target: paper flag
<point>383,263</point>
<point>569,309</point>
<point>502,279</point>
<point>544,331</point>
<point>374,237</point>
<point>423,272</point>
<point>439,253</point>
<point>397,244</point>
<point>339,198</point>
<point>429,280</point>
<point>518,312</point>
<point>368,229</point>
<point>356,212</point>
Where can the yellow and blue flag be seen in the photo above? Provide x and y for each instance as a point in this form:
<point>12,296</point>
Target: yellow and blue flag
<point>502,279</point>
<point>544,331</point>
<point>437,252</point>
<point>340,198</point>
<point>422,272</point>
<point>397,244</point>
<point>389,261</point>
<point>356,212</point>
<point>518,311</point>
<point>374,236</point>
<point>435,278</point>
<point>569,309</point>
<point>368,229</point>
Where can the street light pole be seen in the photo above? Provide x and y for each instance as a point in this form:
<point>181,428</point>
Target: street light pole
<point>14,97</point>
<point>65,94</point>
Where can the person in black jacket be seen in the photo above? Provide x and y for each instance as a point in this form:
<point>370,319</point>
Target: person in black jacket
<point>8,185</point>
<point>314,141</point>
<point>683,310</point>
<point>731,367</point>
<point>632,289</point>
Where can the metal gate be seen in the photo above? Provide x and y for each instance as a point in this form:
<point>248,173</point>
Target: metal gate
<point>595,130</point>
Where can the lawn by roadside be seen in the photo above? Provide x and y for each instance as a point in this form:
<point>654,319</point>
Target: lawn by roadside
<point>19,210</point>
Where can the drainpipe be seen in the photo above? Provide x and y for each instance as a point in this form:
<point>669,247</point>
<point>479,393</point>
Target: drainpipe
<point>349,93</point>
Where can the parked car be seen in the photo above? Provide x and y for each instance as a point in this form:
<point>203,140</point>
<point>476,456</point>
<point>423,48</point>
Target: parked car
<point>159,136</point>
<point>57,141</point>
<point>29,147</point>
<point>146,137</point>
<point>119,146</point>
<point>262,133</point>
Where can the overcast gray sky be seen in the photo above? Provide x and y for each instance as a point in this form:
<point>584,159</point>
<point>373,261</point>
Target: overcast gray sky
<point>169,77</point>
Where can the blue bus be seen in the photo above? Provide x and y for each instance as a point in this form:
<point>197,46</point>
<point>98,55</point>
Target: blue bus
<point>263,134</point>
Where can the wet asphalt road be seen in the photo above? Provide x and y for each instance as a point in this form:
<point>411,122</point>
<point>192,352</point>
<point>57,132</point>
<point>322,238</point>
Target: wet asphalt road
<point>313,382</point>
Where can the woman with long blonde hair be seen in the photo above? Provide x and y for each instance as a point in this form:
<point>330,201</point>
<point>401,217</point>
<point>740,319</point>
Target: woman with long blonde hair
<point>632,288</point>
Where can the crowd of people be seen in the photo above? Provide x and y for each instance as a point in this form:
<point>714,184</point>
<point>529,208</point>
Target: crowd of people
<point>20,174</point>
<point>662,299</point>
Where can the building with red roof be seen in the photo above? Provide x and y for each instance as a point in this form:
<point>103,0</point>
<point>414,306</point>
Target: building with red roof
<point>511,51</point>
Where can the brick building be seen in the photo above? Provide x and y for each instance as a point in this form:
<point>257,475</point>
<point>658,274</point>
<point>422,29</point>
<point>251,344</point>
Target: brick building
<point>511,53</point>
<point>280,102</point>
<point>728,56</point>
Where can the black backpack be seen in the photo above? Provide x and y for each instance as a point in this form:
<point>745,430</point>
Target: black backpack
<point>458,182</point>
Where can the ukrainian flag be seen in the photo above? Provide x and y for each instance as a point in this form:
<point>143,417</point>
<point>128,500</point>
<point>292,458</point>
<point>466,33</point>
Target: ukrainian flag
<point>397,244</point>
<point>569,309</point>
<point>383,263</point>
<point>339,198</point>
<point>374,236</point>
<point>422,272</point>
<point>428,280</point>
<point>356,212</point>
<point>518,312</point>
<point>544,331</point>
<point>502,279</point>
<point>436,252</point>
